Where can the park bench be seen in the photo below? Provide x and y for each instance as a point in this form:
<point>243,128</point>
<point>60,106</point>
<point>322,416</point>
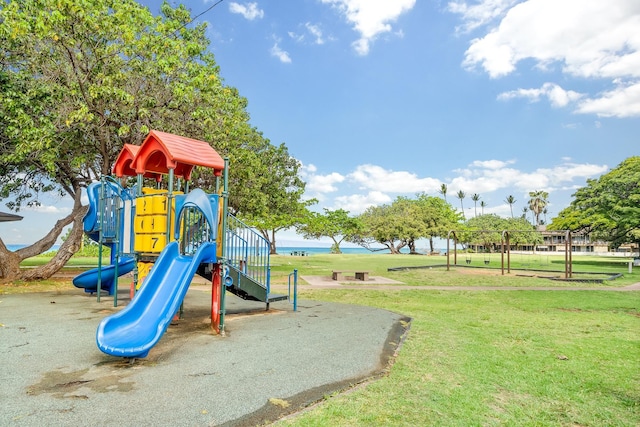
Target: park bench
<point>299,253</point>
<point>359,275</point>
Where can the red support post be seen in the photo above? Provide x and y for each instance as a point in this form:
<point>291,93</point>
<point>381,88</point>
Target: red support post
<point>216,293</point>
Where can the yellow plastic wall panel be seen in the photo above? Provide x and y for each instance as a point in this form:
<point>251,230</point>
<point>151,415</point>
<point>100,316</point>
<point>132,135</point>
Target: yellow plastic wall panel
<point>139,243</point>
<point>149,190</point>
<point>159,204</point>
<point>157,242</point>
<point>155,224</point>
<point>138,224</point>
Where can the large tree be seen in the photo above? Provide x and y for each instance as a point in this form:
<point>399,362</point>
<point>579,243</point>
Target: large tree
<point>392,225</point>
<point>608,206</point>
<point>486,230</point>
<point>337,224</point>
<point>461,195</point>
<point>276,201</point>
<point>510,200</point>
<point>439,217</point>
<point>405,221</point>
<point>537,202</point>
<point>79,78</point>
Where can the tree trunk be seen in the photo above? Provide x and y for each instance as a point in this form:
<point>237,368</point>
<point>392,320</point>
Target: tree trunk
<point>412,247</point>
<point>10,261</point>
<point>66,251</point>
<point>273,250</point>
<point>335,248</point>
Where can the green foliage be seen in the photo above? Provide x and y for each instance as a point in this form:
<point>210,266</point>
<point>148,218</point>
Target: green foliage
<point>405,221</point>
<point>270,198</point>
<point>335,224</point>
<point>487,230</point>
<point>608,207</point>
<point>390,225</point>
<point>81,78</point>
<point>537,203</point>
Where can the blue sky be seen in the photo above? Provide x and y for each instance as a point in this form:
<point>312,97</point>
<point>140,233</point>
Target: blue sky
<point>379,99</point>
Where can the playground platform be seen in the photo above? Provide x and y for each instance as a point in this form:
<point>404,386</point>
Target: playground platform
<point>268,365</point>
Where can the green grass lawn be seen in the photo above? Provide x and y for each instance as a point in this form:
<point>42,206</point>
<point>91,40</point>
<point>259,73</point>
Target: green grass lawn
<point>491,358</point>
<point>523,358</point>
<point>525,269</point>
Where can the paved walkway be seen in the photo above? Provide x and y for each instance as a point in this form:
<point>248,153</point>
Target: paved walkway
<point>268,365</point>
<point>379,282</point>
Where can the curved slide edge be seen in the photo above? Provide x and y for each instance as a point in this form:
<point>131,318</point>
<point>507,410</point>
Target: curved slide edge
<point>90,220</point>
<point>89,279</point>
<point>133,331</point>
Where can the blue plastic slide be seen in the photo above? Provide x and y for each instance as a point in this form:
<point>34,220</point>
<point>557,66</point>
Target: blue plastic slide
<point>133,331</point>
<point>89,279</point>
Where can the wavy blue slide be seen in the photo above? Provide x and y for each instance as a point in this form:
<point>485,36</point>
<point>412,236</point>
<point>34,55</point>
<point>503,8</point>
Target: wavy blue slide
<point>133,331</point>
<point>89,279</point>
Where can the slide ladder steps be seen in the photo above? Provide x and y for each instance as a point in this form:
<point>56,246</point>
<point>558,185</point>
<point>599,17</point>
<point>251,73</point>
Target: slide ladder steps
<point>247,259</point>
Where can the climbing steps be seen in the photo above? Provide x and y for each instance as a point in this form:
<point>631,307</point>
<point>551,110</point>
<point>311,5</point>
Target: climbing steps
<point>247,273</point>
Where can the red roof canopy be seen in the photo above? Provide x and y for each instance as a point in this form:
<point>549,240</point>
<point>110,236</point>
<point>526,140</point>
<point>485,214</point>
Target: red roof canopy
<point>161,151</point>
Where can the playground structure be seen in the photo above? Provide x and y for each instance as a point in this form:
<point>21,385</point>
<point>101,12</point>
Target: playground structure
<point>166,234</point>
<point>505,249</point>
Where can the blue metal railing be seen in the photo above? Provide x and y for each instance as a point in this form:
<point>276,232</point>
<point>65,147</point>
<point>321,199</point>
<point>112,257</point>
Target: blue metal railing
<point>195,230</point>
<point>247,251</point>
<point>294,275</point>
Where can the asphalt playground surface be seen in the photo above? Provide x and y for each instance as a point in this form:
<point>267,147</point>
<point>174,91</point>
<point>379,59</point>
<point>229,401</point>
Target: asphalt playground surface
<point>267,365</point>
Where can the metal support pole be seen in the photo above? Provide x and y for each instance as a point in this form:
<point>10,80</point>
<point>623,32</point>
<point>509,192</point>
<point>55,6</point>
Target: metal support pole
<point>223,240</point>
<point>169,204</point>
<point>116,247</point>
<point>100,226</point>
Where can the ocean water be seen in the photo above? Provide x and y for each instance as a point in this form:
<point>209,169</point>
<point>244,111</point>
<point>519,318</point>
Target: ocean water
<point>289,250</point>
<point>14,248</point>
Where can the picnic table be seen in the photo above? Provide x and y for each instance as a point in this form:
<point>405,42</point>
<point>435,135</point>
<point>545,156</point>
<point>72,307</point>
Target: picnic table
<point>299,253</point>
<point>359,275</point>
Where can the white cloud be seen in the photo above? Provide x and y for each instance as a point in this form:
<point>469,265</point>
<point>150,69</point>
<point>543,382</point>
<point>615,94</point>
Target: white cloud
<point>493,179</point>
<point>282,55</point>
<point>295,36</point>
<point>587,39</point>
<point>568,172</point>
<point>620,102</point>
<point>479,14</point>
<point>250,11</point>
<point>324,183</point>
<point>49,209</point>
<point>370,18</point>
<point>489,176</point>
<point>491,164</point>
<point>315,31</point>
<point>557,96</point>
<point>358,203</point>
<point>378,178</point>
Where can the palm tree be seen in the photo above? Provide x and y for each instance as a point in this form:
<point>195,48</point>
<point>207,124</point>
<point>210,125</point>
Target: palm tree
<point>511,201</point>
<point>545,211</point>
<point>443,191</point>
<point>475,197</point>
<point>537,202</point>
<point>461,195</point>
<point>525,210</point>
<point>483,204</point>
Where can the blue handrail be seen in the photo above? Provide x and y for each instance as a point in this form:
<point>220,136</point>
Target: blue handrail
<point>247,251</point>
<point>295,289</point>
